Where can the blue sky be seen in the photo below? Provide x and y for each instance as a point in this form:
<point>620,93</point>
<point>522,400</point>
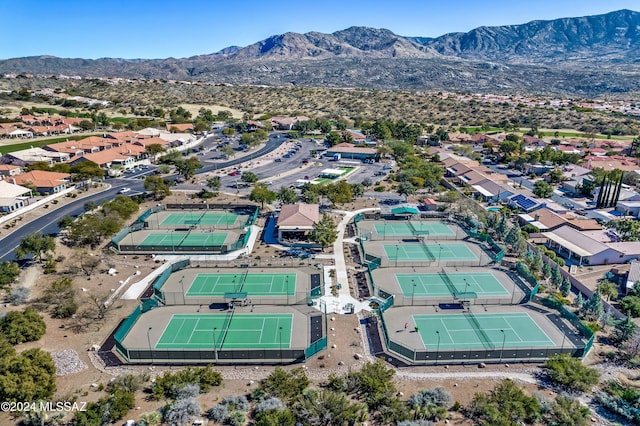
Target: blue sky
<point>162,28</point>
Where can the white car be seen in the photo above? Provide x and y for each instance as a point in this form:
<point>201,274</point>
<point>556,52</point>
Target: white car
<point>124,190</point>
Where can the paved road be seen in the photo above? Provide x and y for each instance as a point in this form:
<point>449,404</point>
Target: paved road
<point>48,223</point>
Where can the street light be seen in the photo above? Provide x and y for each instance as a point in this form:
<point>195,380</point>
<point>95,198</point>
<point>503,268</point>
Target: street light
<point>215,345</point>
<point>149,342</point>
<point>438,347</point>
<point>184,296</point>
<point>287,281</point>
<point>413,292</point>
<point>504,337</point>
<point>466,287</point>
<point>397,248</point>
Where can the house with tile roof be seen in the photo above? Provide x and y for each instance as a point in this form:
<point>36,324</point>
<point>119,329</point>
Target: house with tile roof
<point>107,159</point>
<point>7,170</point>
<point>180,128</point>
<point>45,182</point>
<point>295,222</point>
<point>35,155</point>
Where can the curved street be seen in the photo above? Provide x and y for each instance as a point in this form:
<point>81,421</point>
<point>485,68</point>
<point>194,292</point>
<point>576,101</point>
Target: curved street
<point>48,223</point>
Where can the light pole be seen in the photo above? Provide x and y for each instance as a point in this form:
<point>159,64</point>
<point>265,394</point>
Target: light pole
<point>184,296</point>
<point>438,347</point>
<point>413,292</point>
<point>280,340</point>
<point>215,344</point>
<point>287,281</point>
<point>397,248</point>
<point>564,336</point>
<point>439,253</point>
<point>149,342</point>
<point>504,337</point>
<point>466,287</point>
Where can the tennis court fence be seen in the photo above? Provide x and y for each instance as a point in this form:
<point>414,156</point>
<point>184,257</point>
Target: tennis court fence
<point>433,355</point>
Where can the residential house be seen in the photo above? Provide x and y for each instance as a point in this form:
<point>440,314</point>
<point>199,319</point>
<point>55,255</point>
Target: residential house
<point>107,159</point>
<point>35,155</point>
<point>286,123</point>
<point>45,182</point>
<point>295,222</point>
<point>629,208</point>
<point>252,125</point>
<point>547,220</point>
<point>591,247</point>
<point>357,136</point>
<point>180,128</point>
<point>633,276</point>
<point>7,170</point>
<point>619,162</point>
<point>491,191</point>
<point>526,203</point>
<point>12,196</point>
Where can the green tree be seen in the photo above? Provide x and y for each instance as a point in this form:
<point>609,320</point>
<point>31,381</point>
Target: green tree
<point>324,231</point>
<point>333,138</point>
<point>430,404</point>
<point>328,408</point>
<point>567,411</point>
<point>450,196</point>
<point>154,149</point>
<point>565,287</point>
<point>406,189</point>
<point>631,305</point>
<point>9,272</point>
<point>624,329</point>
<point>287,195</point>
<point>570,373</point>
<point>542,189</point>
<point>283,417</point>
<point>169,384</point>
<point>505,405</point>
<point>157,186</point>
<point>608,289</point>
<point>188,167</point>
<point>28,376</point>
<point>556,175</point>
<point>627,229</point>
<point>121,205</point>
<point>357,189</point>
<point>339,192</point>
<point>213,183</point>
<point>556,276</point>
<point>284,385</point>
<point>249,177</point>
<point>90,205</point>
<point>86,170</point>
<point>22,326</point>
<point>593,308</point>
<point>37,245</point>
<point>262,194</point>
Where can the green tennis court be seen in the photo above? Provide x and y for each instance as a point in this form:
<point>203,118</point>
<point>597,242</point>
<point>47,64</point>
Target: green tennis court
<point>185,239</point>
<point>399,229</point>
<point>464,331</point>
<point>253,284</point>
<point>408,252</point>
<point>483,284</point>
<point>229,331</point>
<point>200,218</point>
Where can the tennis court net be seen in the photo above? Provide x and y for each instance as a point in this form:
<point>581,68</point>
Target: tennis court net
<point>428,251</point>
<point>479,331</point>
<point>244,279</point>
<point>226,326</point>
<point>452,288</point>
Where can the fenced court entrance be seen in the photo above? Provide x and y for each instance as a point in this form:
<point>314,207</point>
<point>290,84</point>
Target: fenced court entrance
<point>457,285</point>
<point>429,252</point>
<point>227,331</point>
<point>481,331</point>
<point>254,284</point>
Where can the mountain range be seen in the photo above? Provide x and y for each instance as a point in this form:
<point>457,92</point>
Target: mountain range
<point>588,56</point>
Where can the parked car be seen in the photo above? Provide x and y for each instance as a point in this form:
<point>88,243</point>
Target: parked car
<point>286,156</point>
<point>278,160</point>
<point>305,161</point>
<point>234,173</point>
<point>380,173</point>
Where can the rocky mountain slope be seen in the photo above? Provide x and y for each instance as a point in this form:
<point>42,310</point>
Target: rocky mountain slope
<point>588,56</point>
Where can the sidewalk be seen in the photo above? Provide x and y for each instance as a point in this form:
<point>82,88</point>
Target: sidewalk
<point>331,303</point>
